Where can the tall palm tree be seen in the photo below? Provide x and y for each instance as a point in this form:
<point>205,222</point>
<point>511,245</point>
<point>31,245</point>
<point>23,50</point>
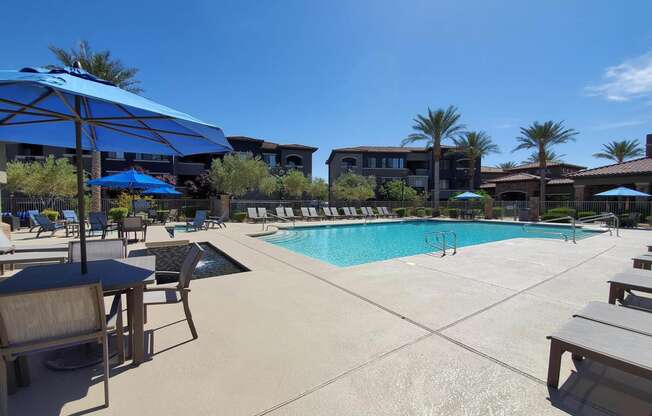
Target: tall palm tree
<point>551,157</point>
<point>102,65</point>
<point>475,145</point>
<point>618,151</point>
<point>506,165</point>
<point>433,128</point>
<point>541,137</point>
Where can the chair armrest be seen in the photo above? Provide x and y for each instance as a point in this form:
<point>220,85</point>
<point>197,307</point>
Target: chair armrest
<point>168,272</point>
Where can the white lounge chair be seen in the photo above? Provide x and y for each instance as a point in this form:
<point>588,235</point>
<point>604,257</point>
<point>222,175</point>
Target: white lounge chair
<point>253,214</point>
<point>327,212</point>
<point>262,214</point>
<point>305,214</point>
<point>289,213</point>
<point>335,213</point>
<point>313,213</point>
<point>354,213</point>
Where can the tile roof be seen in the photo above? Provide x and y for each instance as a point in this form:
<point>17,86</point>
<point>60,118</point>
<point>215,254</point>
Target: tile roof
<point>517,177</point>
<point>491,169</point>
<point>387,149</point>
<point>561,181</point>
<point>549,164</point>
<point>270,145</point>
<point>631,167</point>
<point>488,185</point>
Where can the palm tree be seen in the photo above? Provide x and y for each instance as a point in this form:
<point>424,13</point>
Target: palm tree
<point>475,145</point>
<point>541,137</point>
<point>619,151</point>
<point>551,157</point>
<point>506,165</point>
<point>433,128</point>
<point>102,65</point>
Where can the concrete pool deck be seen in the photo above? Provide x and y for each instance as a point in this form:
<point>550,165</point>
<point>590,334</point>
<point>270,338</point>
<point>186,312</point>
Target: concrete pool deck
<point>421,335</point>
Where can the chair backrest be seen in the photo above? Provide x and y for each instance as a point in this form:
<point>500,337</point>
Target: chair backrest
<point>31,214</point>
<point>327,211</point>
<point>346,210</point>
<point>200,217</point>
<point>364,210</point>
<point>354,211</point>
<point>335,212</point>
<point>280,212</point>
<point>289,212</point>
<point>313,212</point>
<point>370,211</point>
<point>304,212</point>
<point>189,264</point>
<point>37,319</point>
<point>69,215</point>
<point>108,249</point>
<point>173,213</point>
<point>262,212</point>
<point>43,221</point>
<point>98,220</point>
<point>383,210</point>
<point>132,223</point>
<point>252,213</point>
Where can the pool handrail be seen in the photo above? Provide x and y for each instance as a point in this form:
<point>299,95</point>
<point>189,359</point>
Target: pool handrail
<point>443,245</point>
<point>564,236</point>
<point>600,217</point>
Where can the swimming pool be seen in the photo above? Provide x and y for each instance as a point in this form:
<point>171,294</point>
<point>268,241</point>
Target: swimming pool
<point>351,244</point>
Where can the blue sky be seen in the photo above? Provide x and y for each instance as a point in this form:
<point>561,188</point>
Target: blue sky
<point>347,73</point>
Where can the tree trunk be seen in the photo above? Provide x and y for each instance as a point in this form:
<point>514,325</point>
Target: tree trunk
<point>436,156</point>
<point>96,191</point>
<point>542,180</point>
<point>471,174</point>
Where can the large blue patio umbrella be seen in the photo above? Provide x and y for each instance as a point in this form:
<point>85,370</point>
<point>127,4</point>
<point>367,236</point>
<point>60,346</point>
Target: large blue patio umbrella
<point>68,107</point>
<point>623,191</point>
<point>467,195</point>
<point>131,180</point>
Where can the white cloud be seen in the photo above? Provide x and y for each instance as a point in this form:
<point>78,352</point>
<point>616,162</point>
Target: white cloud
<point>631,79</point>
<point>619,124</point>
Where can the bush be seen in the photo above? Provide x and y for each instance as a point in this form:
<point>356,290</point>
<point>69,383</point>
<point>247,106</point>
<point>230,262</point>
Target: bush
<point>51,214</point>
<point>497,212</point>
<point>453,213</point>
<point>401,212</point>
<point>434,212</point>
<point>119,213</point>
<point>560,212</point>
<point>584,214</point>
<point>428,212</point>
<point>240,216</point>
<point>551,216</point>
<point>420,212</point>
<point>649,219</point>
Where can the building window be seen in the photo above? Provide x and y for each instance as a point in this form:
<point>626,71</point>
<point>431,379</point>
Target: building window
<point>115,155</point>
<point>371,162</point>
<point>348,163</point>
<point>294,161</point>
<point>444,184</point>
<point>270,159</point>
<point>149,156</point>
<point>241,155</point>
<point>394,163</point>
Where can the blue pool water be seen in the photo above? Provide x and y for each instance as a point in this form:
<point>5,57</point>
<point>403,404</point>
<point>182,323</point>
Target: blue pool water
<point>348,245</point>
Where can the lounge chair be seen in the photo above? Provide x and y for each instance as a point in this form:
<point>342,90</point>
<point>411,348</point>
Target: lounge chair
<point>179,293</point>
<point>354,212</point>
<point>289,213</point>
<point>197,223</point>
<point>98,222</point>
<point>366,213</point>
<point>313,213</point>
<point>173,215</point>
<point>47,225</point>
<point>327,213</point>
<point>347,212</point>
<point>252,214</point>
<point>305,214</point>
<point>32,221</point>
<point>31,257</point>
<point>371,212</point>
<point>52,319</point>
<point>7,246</point>
<point>217,221</point>
<point>604,338</point>
<point>635,280</point>
<point>133,225</point>
<point>280,212</point>
<point>387,212</point>
<point>335,213</point>
<point>262,214</point>
<point>643,261</point>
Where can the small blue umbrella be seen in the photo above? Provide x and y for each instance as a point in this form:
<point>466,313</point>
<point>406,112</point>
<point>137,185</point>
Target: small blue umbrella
<point>68,107</point>
<point>623,191</point>
<point>129,179</point>
<point>468,195</point>
<point>164,190</point>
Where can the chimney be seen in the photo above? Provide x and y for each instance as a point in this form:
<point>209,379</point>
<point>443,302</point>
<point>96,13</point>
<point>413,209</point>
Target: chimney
<point>648,145</point>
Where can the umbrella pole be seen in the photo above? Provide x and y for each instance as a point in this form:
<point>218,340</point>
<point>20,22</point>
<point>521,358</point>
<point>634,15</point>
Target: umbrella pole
<point>80,185</point>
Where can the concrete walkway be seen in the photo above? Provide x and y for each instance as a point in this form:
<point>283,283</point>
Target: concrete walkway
<point>423,335</point>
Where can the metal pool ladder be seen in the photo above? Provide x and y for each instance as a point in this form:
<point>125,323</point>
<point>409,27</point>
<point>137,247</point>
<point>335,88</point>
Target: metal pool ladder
<point>441,242</point>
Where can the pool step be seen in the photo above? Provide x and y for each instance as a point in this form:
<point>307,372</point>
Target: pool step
<point>285,236</point>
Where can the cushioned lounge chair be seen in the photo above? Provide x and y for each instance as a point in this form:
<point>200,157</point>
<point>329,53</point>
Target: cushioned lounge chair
<point>46,225</point>
<point>31,257</point>
<point>643,261</point>
<point>98,222</point>
<point>635,280</point>
<point>32,221</point>
<point>197,223</point>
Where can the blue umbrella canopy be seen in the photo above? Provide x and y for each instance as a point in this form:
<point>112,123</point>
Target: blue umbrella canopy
<point>39,106</point>
<point>129,179</point>
<point>623,191</point>
<point>164,190</point>
<point>68,107</point>
<point>468,195</point>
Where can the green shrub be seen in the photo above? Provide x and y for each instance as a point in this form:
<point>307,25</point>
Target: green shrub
<point>240,216</point>
<point>560,212</point>
<point>649,219</point>
<point>420,212</point>
<point>428,212</point>
<point>51,214</point>
<point>497,212</point>
<point>548,216</point>
<point>584,214</point>
<point>401,212</point>
<point>116,214</point>
<point>453,213</point>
